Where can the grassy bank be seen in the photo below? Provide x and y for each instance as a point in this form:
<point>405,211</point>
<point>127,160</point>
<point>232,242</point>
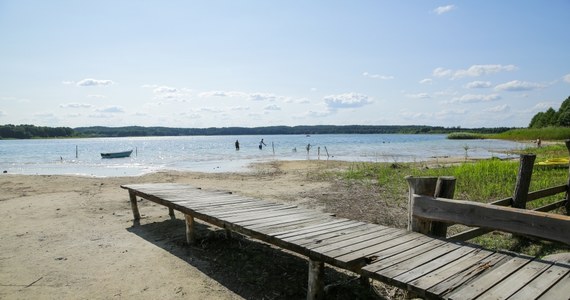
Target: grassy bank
<point>547,134</point>
<point>482,181</point>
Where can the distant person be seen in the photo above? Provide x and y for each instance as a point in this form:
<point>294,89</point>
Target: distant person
<point>261,144</point>
<point>237,145</point>
<point>538,142</point>
<point>308,148</point>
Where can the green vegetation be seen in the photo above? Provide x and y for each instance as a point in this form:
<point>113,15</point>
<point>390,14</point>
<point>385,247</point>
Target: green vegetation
<point>465,136</point>
<point>552,118</point>
<point>545,133</point>
<point>30,131</point>
<point>482,181</point>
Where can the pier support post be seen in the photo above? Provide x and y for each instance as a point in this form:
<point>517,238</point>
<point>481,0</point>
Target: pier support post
<point>190,238</point>
<point>567,142</point>
<point>171,213</point>
<point>315,289</point>
<point>445,188</point>
<point>134,206</point>
<point>523,180</point>
<point>424,186</point>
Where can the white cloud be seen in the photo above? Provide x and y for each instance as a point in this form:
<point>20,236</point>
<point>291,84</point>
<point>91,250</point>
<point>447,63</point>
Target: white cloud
<point>319,114</point>
<point>76,105</point>
<point>272,107</point>
<point>377,76</point>
<point>441,72</point>
<point>111,109</point>
<point>426,81</point>
<point>68,82</point>
<point>419,96</point>
<point>240,108</point>
<point>480,70</point>
<point>262,97</point>
<point>221,94</point>
<point>348,100</point>
<point>470,98</point>
<point>94,82</point>
<point>164,90</point>
<point>499,109</point>
<point>566,78</point>
<point>97,96</point>
<point>478,85</point>
<point>517,85</point>
<point>444,9</point>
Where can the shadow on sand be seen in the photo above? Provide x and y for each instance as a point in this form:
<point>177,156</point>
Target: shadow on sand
<point>249,268</point>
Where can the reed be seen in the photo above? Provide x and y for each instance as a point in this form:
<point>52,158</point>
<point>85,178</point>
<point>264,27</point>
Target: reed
<point>465,136</point>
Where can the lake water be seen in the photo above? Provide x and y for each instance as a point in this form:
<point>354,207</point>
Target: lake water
<point>218,154</point>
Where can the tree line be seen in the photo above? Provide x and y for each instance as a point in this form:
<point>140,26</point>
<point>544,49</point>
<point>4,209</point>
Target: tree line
<point>30,131</point>
<point>552,118</point>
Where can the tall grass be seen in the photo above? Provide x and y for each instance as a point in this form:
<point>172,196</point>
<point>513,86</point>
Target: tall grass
<point>547,133</point>
<point>482,181</point>
<point>465,136</point>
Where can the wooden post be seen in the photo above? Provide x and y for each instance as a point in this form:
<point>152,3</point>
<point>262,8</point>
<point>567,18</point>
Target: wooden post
<point>189,229</point>
<point>523,180</point>
<point>424,186</point>
<point>316,287</point>
<point>171,213</point>
<point>134,206</point>
<point>445,188</point>
<point>567,142</point>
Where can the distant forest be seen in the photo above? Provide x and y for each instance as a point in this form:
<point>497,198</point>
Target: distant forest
<point>553,118</point>
<point>30,131</point>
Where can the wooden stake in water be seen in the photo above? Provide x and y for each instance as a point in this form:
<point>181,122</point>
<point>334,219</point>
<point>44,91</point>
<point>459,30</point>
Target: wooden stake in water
<point>273,146</point>
<point>76,152</point>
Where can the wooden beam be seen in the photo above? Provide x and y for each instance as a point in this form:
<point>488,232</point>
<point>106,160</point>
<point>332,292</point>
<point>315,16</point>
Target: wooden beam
<point>445,188</point>
<point>190,236</point>
<point>539,224</point>
<point>523,180</point>
<point>316,286</point>
<point>134,206</point>
<point>546,192</point>
<point>567,142</point>
<point>419,186</point>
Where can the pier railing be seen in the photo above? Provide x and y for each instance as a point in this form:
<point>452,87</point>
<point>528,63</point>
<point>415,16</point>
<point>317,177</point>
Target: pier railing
<point>431,209</point>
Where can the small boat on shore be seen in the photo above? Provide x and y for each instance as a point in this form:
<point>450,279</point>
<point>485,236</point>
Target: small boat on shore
<point>116,154</point>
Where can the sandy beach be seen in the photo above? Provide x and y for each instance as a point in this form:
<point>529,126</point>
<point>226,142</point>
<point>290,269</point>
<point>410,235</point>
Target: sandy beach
<point>71,237</point>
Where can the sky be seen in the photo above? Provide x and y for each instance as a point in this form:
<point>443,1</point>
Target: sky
<point>224,63</point>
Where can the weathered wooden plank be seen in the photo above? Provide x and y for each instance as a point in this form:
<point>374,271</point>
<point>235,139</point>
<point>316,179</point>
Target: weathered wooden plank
<point>551,206</point>
<point>268,220</point>
<point>421,284</point>
<point>354,243</point>
<point>243,208</point>
<point>547,192</point>
<point>517,280</point>
<point>539,224</point>
<point>541,283</point>
<point>336,236</point>
<point>422,256</point>
<point>391,256</point>
<point>317,229</point>
<point>321,231</point>
<point>435,263</point>
<point>490,279</point>
<point>559,290</point>
<point>243,218</point>
<point>297,225</point>
<point>458,279</point>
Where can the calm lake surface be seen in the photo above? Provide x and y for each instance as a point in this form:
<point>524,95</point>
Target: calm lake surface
<point>218,153</point>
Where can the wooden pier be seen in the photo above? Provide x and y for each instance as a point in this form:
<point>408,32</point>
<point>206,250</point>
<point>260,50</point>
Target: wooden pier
<point>430,266</point>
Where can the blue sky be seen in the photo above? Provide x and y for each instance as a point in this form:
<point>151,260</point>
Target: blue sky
<point>261,63</point>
